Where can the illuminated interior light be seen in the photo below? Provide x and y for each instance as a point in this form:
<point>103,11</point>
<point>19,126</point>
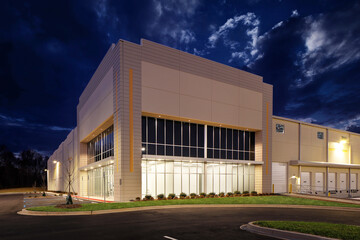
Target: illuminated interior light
<point>91,168</point>
<point>99,165</point>
<point>143,149</point>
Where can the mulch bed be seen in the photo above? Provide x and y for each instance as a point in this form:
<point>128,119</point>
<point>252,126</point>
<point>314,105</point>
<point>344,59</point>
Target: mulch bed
<point>68,206</point>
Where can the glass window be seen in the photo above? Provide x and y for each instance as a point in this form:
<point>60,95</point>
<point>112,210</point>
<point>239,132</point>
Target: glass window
<point>216,153</point>
<point>223,138</point>
<point>185,134</point>
<point>102,146</point>
<point>151,149</point>
<point>209,136</point>
<point>280,128</point>
<point>151,130</point>
<point>160,130</point>
<point>247,141</point>
<point>200,135</point>
<point>193,152</point>
<point>235,155</point>
<point>169,132</point>
<point>320,135</point>
<point>193,135</point>
<point>169,150</point>
<point>160,150</point>
<point>241,140</point>
<point>143,129</point>
<point>185,151</point>
<point>235,140</point>
<point>177,151</point>
<point>229,138</point>
<point>210,153</point>
<point>200,152</point>
<point>252,141</point>
<point>223,154</point>
<point>216,137</point>
<point>177,132</point>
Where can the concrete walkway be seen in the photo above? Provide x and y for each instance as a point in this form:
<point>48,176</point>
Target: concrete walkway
<point>281,234</point>
<point>97,212</point>
<point>329,199</point>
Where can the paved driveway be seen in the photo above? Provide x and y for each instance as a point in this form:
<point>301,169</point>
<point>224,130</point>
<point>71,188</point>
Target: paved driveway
<point>186,223</point>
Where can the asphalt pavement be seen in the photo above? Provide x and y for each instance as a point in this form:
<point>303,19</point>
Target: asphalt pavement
<point>185,223</point>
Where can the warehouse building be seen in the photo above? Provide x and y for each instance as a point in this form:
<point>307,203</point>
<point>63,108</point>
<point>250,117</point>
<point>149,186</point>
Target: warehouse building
<point>156,120</point>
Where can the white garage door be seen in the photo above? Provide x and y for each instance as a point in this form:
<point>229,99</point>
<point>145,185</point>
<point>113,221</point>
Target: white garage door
<point>343,181</point>
<point>332,181</point>
<point>279,177</point>
<point>319,182</point>
<point>353,181</point>
<point>305,184</point>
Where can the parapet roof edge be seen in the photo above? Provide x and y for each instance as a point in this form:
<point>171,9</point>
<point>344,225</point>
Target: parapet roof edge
<point>196,56</point>
<point>315,125</point>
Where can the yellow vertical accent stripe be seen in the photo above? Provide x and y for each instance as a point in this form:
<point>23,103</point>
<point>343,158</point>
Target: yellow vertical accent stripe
<point>117,124</point>
<point>131,120</point>
<point>267,138</point>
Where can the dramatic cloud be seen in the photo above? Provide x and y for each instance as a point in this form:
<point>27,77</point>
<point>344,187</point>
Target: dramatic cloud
<point>310,52</point>
<point>314,67</point>
<point>172,22</point>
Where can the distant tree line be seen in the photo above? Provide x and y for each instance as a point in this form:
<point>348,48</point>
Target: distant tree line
<point>25,170</point>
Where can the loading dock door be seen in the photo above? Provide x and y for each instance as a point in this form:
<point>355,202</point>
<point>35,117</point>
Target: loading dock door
<point>279,177</point>
<point>343,181</point>
<point>319,182</point>
<point>353,181</point>
<point>331,181</point>
<point>305,182</point>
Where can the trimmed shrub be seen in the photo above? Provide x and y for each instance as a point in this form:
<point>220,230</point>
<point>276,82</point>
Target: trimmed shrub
<point>229,194</point>
<point>171,196</point>
<point>148,197</point>
<point>222,194</point>
<point>138,199</point>
<point>202,195</point>
<point>246,193</point>
<point>193,195</point>
<point>253,193</point>
<point>182,195</point>
<point>211,195</point>
<point>237,193</point>
<point>161,196</point>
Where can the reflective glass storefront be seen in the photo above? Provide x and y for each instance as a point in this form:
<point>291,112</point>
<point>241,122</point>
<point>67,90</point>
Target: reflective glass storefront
<point>170,176</point>
<point>101,182</point>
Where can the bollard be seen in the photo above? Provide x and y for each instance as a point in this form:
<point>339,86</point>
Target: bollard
<point>273,189</point>
<point>290,191</point>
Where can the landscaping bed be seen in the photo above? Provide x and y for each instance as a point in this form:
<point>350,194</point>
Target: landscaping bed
<point>273,199</point>
<point>331,230</point>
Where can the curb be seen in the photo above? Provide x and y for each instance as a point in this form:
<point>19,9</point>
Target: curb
<point>281,234</point>
<point>120,210</point>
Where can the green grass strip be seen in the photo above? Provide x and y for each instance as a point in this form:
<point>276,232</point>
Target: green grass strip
<point>341,231</point>
<point>231,200</point>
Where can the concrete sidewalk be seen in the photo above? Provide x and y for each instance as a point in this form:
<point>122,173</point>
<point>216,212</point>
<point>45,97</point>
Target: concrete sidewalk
<point>329,199</point>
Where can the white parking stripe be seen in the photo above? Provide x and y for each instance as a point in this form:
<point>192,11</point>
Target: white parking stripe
<point>170,238</point>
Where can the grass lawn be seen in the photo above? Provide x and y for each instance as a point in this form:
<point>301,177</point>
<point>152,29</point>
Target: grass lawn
<point>341,231</point>
<point>230,200</point>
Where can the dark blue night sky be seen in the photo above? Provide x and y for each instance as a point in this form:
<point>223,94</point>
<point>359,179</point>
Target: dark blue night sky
<point>309,51</point>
